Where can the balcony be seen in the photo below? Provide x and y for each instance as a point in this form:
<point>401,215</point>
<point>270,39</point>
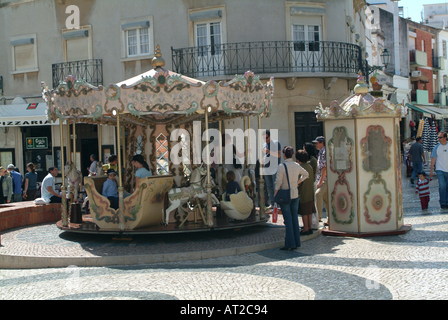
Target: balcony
<point>268,57</point>
<point>419,96</point>
<point>418,58</point>
<point>440,98</point>
<point>438,63</point>
<point>90,70</point>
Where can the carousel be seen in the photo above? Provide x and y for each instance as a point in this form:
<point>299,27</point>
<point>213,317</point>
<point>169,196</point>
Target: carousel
<point>160,115</point>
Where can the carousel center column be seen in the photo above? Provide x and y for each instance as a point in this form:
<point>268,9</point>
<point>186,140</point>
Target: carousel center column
<point>121,220</point>
<point>208,185</point>
<point>64,215</point>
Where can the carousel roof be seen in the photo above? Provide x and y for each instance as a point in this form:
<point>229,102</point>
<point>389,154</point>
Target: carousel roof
<point>361,105</point>
<point>158,96</point>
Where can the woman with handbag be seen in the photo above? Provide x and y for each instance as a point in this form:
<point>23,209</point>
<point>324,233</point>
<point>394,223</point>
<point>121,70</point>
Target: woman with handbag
<point>286,195</point>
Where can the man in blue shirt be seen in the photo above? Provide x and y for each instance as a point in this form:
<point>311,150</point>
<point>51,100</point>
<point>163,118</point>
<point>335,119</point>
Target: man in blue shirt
<point>417,158</point>
<point>272,157</point>
<point>17,183</point>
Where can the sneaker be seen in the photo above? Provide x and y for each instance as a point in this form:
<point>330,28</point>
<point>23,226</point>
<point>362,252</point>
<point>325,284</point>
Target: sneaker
<point>412,181</point>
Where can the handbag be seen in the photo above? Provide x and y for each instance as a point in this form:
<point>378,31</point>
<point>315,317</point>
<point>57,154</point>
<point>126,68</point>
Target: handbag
<point>283,197</point>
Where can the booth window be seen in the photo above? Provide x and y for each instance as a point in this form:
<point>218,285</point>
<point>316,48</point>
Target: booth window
<point>24,54</point>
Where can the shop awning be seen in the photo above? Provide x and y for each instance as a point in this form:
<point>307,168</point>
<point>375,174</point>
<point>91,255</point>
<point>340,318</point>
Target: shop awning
<point>24,115</point>
<point>428,111</point>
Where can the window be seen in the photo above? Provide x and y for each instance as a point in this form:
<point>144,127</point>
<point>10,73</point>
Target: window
<point>24,53</point>
<point>77,44</point>
<point>137,38</point>
<point>306,33</point>
<point>444,48</point>
<point>137,42</point>
<point>209,34</point>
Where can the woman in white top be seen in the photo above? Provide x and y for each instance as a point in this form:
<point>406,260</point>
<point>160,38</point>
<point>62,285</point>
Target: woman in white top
<point>290,211</point>
<point>142,167</point>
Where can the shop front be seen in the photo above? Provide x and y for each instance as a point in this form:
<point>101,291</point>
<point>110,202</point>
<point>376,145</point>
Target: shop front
<point>26,136</point>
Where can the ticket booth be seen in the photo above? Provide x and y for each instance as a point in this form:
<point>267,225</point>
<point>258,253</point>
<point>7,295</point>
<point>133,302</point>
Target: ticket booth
<point>364,165</point>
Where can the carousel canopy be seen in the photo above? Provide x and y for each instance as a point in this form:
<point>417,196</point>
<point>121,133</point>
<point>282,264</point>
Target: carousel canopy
<point>361,105</point>
<point>159,96</point>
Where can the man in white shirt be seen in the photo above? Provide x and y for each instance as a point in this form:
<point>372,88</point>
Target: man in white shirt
<point>48,187</point>
<point>439,159</point>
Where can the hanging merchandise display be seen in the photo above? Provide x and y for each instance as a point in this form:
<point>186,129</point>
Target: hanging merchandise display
<point>420,128</point>
<point>426,136</point>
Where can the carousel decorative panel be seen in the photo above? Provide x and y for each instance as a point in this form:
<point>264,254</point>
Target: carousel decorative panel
<point>378,171</point>
<point>340,151</point>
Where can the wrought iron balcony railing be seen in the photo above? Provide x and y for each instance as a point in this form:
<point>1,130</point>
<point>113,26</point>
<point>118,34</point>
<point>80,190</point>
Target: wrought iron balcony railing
<point>268,57</point>
<point>90,70</point>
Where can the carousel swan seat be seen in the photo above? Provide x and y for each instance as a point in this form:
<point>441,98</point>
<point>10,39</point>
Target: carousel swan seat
<point>239,207</point>
<point>143,208</point>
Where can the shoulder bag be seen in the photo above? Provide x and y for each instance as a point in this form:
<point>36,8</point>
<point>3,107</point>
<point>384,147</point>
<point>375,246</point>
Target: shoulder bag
<point>283,197</point>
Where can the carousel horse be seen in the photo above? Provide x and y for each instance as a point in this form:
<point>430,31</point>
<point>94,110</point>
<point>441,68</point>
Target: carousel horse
<point>178,197</point>
<point>74,179</point>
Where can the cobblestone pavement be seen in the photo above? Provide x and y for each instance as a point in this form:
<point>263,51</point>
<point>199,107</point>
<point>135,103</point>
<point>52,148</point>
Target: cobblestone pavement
<point>409,266</point>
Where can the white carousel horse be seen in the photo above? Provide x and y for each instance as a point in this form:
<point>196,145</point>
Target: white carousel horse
<point>179,196</point>
<point>74,179</point>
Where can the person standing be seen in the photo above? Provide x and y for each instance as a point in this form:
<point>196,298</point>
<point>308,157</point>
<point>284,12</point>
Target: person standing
<point>422,190</point>
<point>290,171</point>
<point>417,157</point>
<point>30,189</point>
<point>321,179</point>
<point>48,187</point>
<point>5,186</point>
<point>306,194</point>
<point>439,160</point>
<point>16,183</point>
<point>271,153</point>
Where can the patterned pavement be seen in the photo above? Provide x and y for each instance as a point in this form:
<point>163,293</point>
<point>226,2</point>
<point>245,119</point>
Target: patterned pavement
<point>404,267</point>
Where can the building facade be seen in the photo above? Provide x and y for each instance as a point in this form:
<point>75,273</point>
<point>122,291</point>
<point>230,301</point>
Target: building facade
<point>314,49</point>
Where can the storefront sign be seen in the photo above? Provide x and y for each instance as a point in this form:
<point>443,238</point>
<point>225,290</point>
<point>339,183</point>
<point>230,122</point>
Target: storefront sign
<point>24,123</point>
<point>36,143</point>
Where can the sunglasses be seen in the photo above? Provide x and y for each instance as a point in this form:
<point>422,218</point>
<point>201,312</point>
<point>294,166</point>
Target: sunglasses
<point>440,137</point>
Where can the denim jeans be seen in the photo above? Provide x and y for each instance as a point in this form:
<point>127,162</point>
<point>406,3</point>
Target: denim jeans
<point>270,184</point>
<point>418,167</point>
<point>443,187</point>
<point>291,220</point>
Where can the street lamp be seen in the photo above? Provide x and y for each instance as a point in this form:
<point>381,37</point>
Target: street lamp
<point>385,58</point>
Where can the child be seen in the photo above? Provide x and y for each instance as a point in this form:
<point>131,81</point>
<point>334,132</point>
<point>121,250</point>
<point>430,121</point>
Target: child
<point>422,190</point>
<point>110,190</point>
<point>232,186</point>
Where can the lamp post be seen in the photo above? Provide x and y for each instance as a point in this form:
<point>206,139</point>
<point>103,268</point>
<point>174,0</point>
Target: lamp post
<point>385,60</point>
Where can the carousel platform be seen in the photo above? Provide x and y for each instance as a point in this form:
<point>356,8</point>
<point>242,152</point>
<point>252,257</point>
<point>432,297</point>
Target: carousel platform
<point>220,222</point>
<point>47,246</point>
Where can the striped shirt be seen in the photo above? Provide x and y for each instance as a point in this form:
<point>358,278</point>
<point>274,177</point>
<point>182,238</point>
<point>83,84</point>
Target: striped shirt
<point>422,188</point>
